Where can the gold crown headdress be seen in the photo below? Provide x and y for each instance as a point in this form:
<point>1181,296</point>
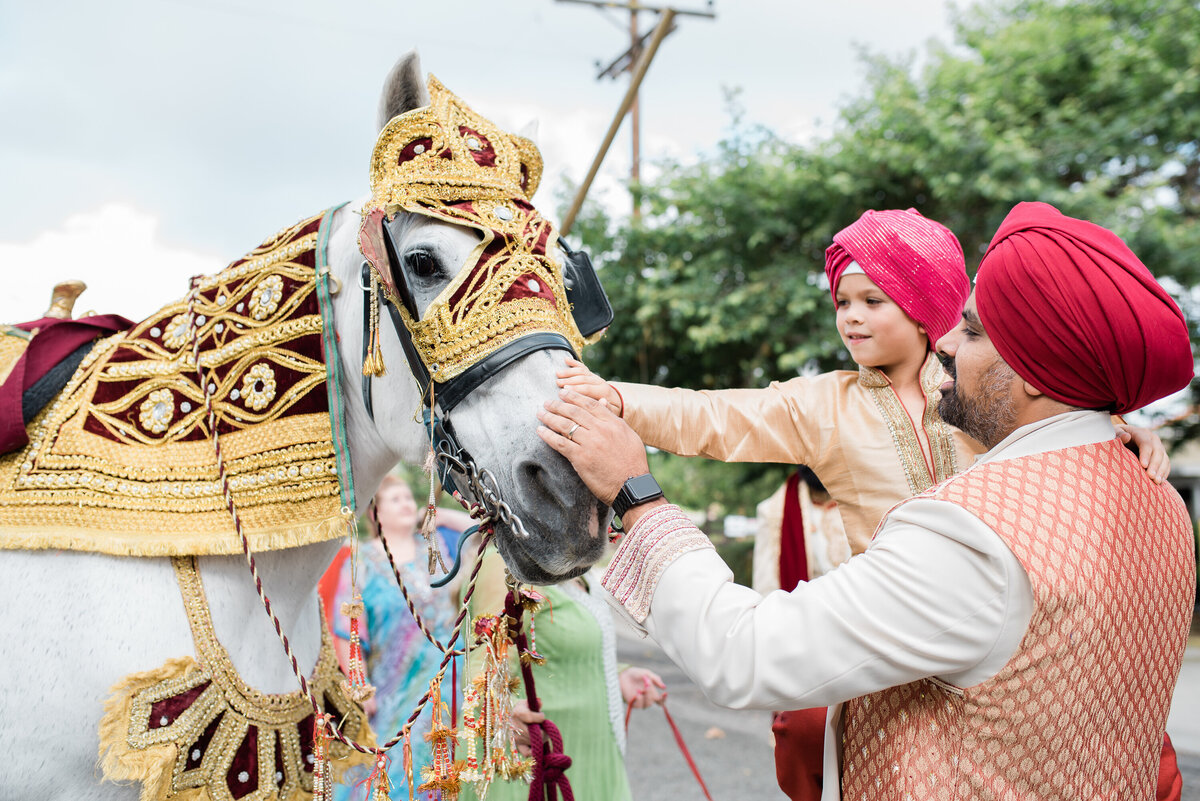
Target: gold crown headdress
<point>446,162</point>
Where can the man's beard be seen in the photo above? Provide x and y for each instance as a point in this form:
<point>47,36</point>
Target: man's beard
<point>989,415</point>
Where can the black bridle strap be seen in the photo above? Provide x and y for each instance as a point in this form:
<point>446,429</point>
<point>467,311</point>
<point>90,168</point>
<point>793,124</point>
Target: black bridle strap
<point>410,351</point>
<point>454,391</point>
<point>365,283</point>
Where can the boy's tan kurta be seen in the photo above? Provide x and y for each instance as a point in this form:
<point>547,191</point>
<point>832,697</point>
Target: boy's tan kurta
<point>850,428</point>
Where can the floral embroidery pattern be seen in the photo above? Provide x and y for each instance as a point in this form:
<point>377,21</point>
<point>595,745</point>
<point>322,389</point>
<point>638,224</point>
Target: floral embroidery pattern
<point>258,387</point>
<point>157,411</point>
<point>266,296</point>
<point>176,335</point>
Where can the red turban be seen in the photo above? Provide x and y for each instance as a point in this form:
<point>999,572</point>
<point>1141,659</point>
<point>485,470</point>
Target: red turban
<point>1076,314</point>
<point>915,261</point>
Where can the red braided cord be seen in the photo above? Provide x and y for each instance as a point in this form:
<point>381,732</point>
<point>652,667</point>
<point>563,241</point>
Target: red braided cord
<point>403,589</point>
<point>550,764</point>
<point>545,741</point>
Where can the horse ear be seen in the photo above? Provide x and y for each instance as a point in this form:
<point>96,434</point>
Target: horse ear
<point>529,131</point>
<point>404,88</point>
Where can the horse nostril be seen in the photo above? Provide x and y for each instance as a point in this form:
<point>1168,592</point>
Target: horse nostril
<point>543,482</point>
<point>533,474</point>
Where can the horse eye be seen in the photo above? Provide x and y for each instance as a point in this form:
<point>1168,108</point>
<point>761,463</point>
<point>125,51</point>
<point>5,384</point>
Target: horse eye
<point>421,264</point>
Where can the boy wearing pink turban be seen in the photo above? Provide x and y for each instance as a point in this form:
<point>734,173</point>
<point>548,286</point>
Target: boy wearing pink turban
<point>872,436</point>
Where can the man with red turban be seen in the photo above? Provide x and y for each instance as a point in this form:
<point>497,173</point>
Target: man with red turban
<point>1029,615</point>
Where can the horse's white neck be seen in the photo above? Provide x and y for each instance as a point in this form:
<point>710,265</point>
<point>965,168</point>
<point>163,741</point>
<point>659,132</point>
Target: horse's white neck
<point>395,434</point>
<point>289,579</point>
<point>290,576</point>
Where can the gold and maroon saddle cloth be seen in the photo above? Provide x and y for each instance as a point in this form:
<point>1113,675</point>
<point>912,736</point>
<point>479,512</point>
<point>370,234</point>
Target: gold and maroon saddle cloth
<point>122,461</point>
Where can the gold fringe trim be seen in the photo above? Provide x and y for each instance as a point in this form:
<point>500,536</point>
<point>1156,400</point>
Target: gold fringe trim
<point>133,543</point>
<point>119,762</point>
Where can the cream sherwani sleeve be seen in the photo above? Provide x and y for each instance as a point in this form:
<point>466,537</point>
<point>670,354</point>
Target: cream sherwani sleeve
<point>934,595</point>
<point>937,594</point>
<point>733,425</point>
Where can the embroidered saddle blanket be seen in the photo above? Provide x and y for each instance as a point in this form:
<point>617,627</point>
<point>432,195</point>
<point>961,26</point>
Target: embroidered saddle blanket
<point>122,460</point>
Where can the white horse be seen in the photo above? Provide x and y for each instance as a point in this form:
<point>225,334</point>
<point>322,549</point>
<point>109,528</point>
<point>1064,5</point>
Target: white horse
<point>75,623</point>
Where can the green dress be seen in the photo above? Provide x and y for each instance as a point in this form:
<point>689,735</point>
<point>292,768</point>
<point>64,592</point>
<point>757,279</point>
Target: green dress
<point>577,686</point>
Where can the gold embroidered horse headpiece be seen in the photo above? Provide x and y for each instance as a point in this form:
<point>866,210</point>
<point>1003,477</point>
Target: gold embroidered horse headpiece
<point>446,162</point>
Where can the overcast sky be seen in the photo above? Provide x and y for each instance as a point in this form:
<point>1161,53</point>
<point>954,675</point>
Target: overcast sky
<point>144,141</point>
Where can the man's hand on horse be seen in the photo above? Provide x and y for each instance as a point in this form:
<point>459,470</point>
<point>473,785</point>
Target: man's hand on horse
<point>578,377</point>
<point>602,448</point>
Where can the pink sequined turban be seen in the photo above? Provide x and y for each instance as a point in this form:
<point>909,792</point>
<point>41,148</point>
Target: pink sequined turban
<point>917,263</point>
<point>1076,314</point>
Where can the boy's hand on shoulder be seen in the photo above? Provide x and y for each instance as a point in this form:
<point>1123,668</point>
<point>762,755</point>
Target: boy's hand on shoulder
<point>1150,450</point>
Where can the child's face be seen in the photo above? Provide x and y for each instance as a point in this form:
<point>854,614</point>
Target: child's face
<point>874,329</point>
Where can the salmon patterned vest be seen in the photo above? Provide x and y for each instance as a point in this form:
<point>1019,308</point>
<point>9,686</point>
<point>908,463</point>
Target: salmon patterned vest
<point>1079,711</point>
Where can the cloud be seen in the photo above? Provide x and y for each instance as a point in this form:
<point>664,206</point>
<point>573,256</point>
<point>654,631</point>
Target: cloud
<point>116,249</point>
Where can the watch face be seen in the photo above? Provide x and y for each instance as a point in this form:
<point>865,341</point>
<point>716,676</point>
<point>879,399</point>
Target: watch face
<point>642,488</point>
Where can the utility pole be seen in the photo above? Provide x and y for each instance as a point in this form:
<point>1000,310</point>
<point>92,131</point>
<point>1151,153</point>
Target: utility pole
<point>635,126</point>
<point>636,60</point>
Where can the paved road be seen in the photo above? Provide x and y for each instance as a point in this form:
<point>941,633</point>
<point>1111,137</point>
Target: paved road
<point>740,765</point>
<point>1184,723</point>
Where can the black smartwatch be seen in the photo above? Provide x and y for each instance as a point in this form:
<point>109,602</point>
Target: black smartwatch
<point>638,489</point>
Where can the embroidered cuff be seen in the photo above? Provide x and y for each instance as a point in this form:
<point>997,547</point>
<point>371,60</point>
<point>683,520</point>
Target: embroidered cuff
<point>658,539</point>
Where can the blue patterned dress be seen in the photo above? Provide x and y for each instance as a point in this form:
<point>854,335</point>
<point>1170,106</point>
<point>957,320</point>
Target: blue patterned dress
<point>400,661</point>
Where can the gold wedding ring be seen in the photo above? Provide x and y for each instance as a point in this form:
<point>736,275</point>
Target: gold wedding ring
<point>571,432</point>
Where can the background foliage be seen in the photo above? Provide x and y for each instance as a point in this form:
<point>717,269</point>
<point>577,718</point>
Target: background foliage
<point>1093,106</point>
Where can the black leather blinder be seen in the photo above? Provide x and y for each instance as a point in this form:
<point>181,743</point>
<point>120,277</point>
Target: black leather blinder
<point>589,303</point>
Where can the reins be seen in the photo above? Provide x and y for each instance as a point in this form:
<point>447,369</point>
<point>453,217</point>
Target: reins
<point>545,740</point>
<point>687,755</point>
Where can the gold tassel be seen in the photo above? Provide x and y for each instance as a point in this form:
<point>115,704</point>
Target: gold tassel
<point>444,774</point>
<point>489,742</point>
<point>373,364</point>
<point>408,763</point>
<point>379,781</point>
<point>429,532</point>
<point>429,524</point>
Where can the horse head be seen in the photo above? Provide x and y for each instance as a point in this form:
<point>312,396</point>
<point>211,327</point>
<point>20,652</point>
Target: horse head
<point>455,254</point>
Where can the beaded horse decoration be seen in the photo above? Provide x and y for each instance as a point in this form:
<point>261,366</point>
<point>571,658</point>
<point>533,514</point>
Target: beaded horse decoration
<point>446,162</point>
<point>122,463</point>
